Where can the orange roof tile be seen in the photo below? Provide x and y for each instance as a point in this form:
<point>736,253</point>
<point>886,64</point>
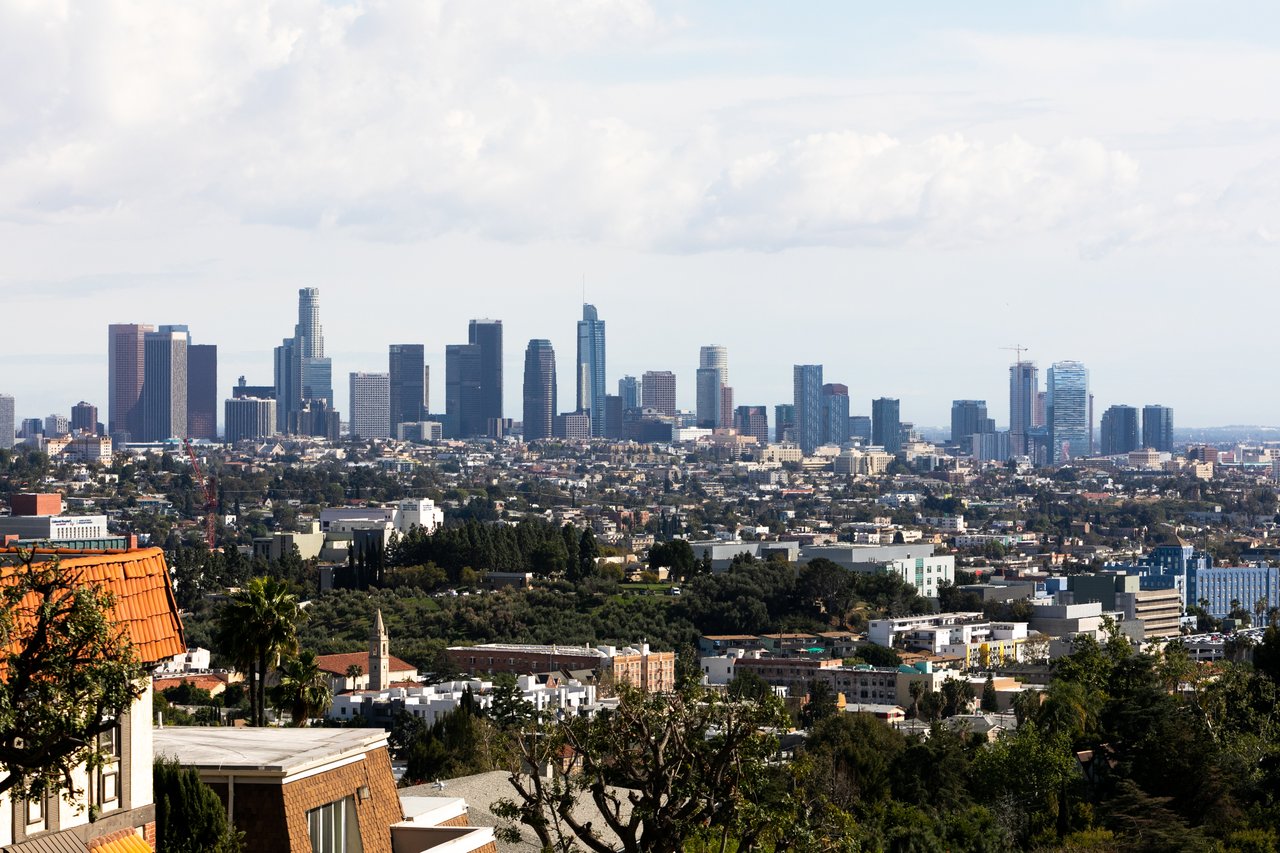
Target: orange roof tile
<point>338,664</point>
<point>144,602</point>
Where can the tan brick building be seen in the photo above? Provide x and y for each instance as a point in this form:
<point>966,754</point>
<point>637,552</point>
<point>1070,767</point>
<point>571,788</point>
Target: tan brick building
<point>650,671</point>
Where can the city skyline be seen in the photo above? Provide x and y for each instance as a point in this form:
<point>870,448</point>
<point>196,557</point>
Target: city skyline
<point>689,180</point>
<point>310,324</point>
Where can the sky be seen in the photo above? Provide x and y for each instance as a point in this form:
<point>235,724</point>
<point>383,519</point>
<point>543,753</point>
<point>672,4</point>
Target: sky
<point>895,191</point>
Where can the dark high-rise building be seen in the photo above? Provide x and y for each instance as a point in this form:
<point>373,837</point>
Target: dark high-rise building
<point>835,413</point>
<point>613,416</point>
<point>407,367</point>
<point>463,392</point>
<point>629,391</point>
<point>860,428</point>
<point>1024,382</point>
<point>84,417</point>
<point>886,424</point>
<point>708,397</point>
<point>807,395</point>
<point>202,391</point>
<point>658,389</point>
<point>784,422</point>
<point>248,417</point>
<point>968,417</point>
<point>591,372</point>
<point>1157,428</point>
<point>126,367</point>
<point>1119,430</point>
<point>1067,409</point>
<point>726,407</point>
<point>302,371</point>
<point>164,387</point>
<point>259,392</point>
<point>539,390</point>
<point>754,421</point>
<point>487,335</point>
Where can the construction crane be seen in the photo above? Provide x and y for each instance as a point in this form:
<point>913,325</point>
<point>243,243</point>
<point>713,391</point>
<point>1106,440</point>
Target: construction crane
<point>1019,349</point>
<point>210,497</point>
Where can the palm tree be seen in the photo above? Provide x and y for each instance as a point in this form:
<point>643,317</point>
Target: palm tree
<point>256,627</point>
<point>304,689</point>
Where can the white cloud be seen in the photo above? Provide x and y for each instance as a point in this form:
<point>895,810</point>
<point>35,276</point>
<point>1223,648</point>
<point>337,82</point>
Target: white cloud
<point>407,120</point>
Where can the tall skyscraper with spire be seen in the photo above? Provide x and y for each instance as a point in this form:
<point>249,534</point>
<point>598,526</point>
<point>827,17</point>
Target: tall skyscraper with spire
<point>539,389</point>
<point>302,372</point>
<point>591,372</point>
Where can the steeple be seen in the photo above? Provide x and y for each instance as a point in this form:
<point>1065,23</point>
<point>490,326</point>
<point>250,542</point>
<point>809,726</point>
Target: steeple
<point>379,655</point>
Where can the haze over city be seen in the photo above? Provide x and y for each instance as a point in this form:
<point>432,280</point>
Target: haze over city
<point>895,199</point>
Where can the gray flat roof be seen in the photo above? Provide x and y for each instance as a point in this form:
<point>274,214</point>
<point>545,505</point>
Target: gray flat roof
<point>265,751</point>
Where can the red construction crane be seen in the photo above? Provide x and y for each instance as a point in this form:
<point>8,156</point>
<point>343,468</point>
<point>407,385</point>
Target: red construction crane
<point>210,497</point>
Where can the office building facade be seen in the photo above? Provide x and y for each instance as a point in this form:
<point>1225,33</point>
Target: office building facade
<point>658,391</point>
<point>463,404</point>
<point>807,398</point>
<point>1024,386</point>
<point>408,380</point>
<point>487,336</point>
<point>84,417</point>
<point>591,368</point>
<point>708,397</point>
<point>1067,410</point>
<point>886,424</point>
<point>249,418</point>
<point>370,406</point>
<point>753,421</point>
<point>835,413</point>
<point>539,390</point>
<point>629,391</point>
<point>968,417</point>
<point>784,422</point>
<point>1157,428</point>
<point>126,366</point>
<point>1119,430</point>
<point>202,391</point>
<point>302,372</point>
<point>7,422</point>
<point>164,387</point>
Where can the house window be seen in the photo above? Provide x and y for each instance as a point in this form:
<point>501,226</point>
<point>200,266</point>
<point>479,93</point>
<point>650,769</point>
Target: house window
<point>333,828</point>
<point>35,814</point>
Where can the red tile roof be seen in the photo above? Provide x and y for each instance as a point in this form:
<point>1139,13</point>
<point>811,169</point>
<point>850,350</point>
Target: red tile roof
<point>144,602</point>
<point>338,664</point>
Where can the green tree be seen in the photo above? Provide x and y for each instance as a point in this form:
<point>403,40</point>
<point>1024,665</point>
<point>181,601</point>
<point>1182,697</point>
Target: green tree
<point>256,627</point>
<point>990,701</point>
<point>821,703</point>
<point>189,816</point>
<point>68,673</point>
<point>304,689</point>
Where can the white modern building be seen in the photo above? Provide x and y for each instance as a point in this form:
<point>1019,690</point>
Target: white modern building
<point>370,405</point>
<point>432,701</point>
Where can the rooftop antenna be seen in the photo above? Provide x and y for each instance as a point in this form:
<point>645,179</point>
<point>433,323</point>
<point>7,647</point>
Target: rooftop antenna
<point>1019,349</point>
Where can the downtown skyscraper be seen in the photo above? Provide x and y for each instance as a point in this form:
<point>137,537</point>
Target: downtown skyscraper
<point>126,365</point>
<point>1067,410</point>
<point>1119,430</point>
<point>202,391</point>
<point>539,390</point>
<point>370,405</point>
<point>164,386</point>
<point>409,380</point>
<point>886,424</point>
<point>806,381</point>
<point>1024,382</point>
<point>302,371</point>
<point>591,368</point>
<point>1157,428</point>
<point>712,382</point>
<point>487,336</point>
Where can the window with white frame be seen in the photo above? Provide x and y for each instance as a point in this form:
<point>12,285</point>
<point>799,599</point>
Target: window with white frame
<point>333,828</point>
